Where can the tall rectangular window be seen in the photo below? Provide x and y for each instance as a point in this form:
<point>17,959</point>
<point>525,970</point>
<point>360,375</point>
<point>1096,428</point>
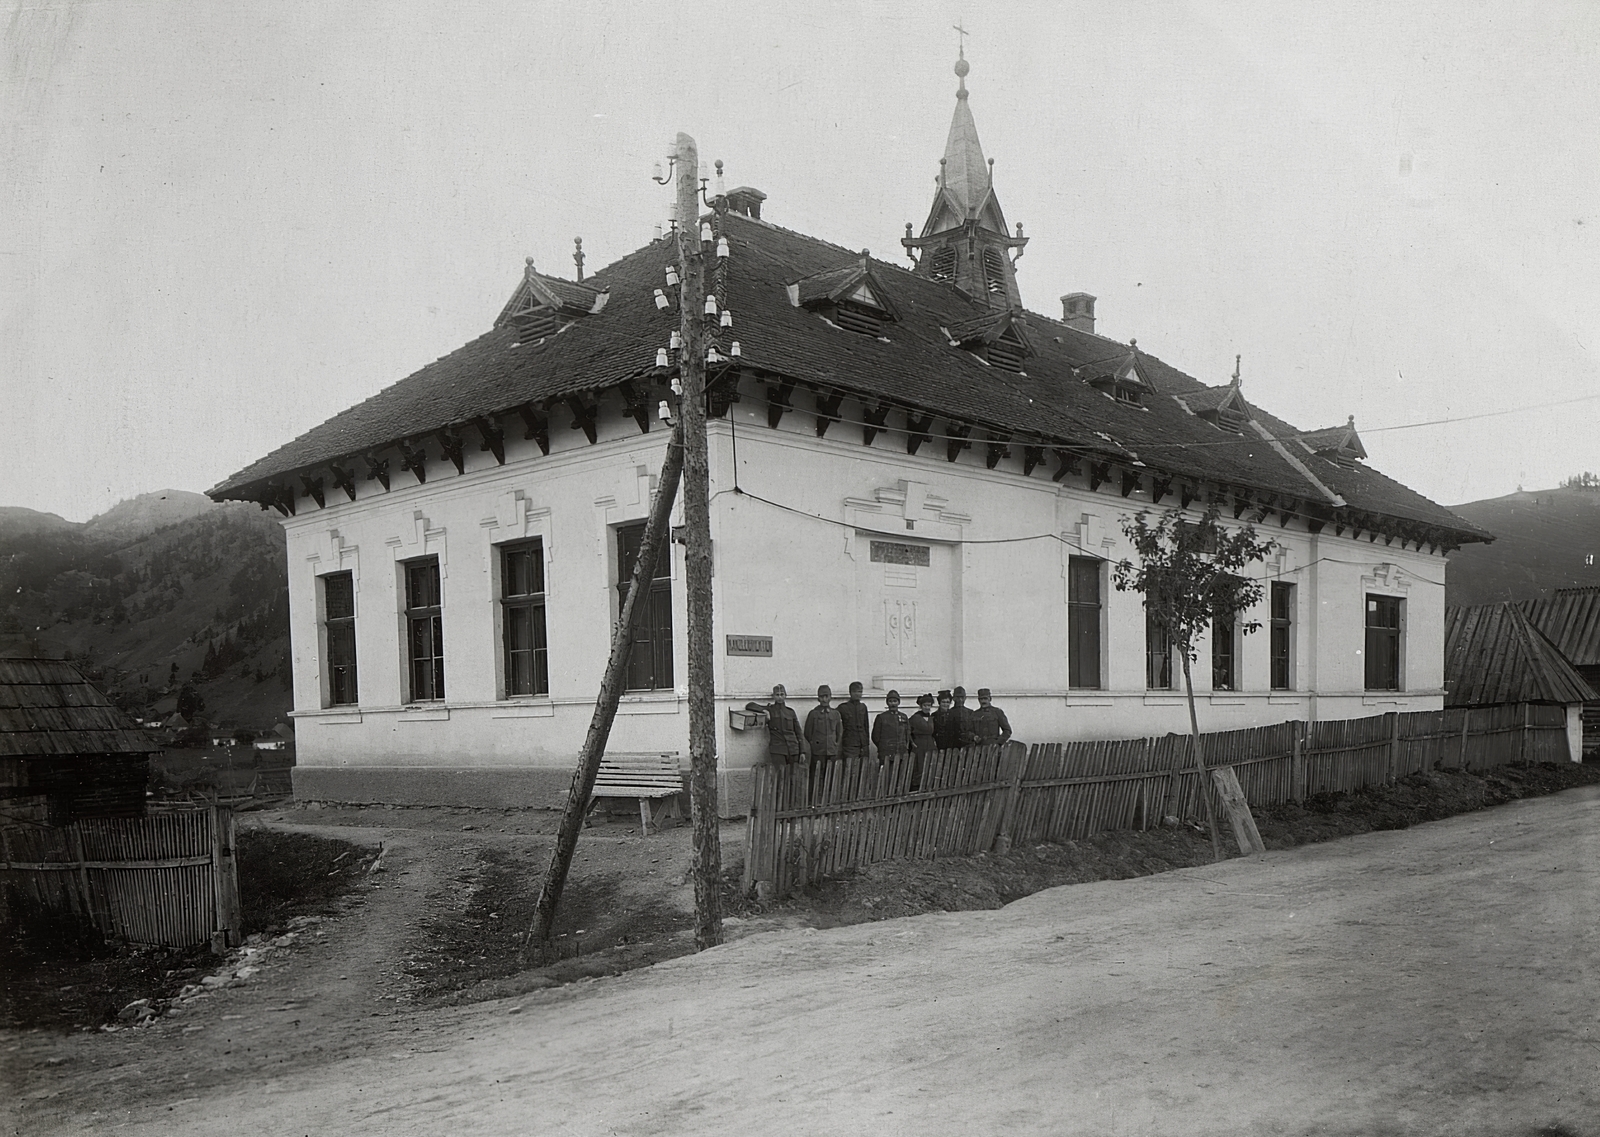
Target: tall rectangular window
<point>1383,643</point>
<point>1083,622</point>
<point>1224,661</point>
<point>424,630</point>
<point>1157,654</point>
<point>650,656</point>
<point>339,628</point>
<point>527,655</point>
<point>1282,636</point>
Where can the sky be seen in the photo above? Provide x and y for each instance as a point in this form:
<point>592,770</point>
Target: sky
<point>223,223</point>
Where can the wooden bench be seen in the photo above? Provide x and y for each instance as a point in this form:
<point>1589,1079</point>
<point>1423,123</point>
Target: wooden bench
<point>654,779</point>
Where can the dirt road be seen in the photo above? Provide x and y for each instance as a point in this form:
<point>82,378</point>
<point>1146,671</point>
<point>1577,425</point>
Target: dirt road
<point>1440,979</point>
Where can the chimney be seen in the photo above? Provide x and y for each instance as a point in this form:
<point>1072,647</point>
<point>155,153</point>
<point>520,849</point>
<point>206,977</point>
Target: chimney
<point>1077,311</point>
<point>746,200</point>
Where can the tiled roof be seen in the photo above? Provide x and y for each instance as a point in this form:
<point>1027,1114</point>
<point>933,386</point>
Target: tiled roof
<point>828,283</point>
<point>49,710</point>
<point>1492,655</point>
<point>913,365</point>
<point>1335,439</point>
<point>1571,620</point>
<point>1208,399</point>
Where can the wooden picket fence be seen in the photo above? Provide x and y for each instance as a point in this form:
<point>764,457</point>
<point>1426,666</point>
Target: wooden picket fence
<point>802,828</point>
<point>167,878</point>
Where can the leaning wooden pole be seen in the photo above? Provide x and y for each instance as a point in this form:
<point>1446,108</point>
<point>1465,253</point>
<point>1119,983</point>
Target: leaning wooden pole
<point>707,864</point>
<point>605,707</point>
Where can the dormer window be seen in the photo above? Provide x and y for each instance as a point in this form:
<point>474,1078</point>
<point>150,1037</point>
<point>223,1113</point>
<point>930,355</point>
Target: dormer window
<point>850,297</point>
<point>1230,419</point>
<point>1338,444</point>
<point>535,323</point>
<point>543,305</point>
<point>860,312</point>
<point>1007,352</point>
<point>998,338</point>
<point>1126,385</point>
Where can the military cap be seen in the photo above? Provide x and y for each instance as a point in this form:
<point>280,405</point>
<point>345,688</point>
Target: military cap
<point>960,692</point>
<point>777,689</point>
<point>982,691</point>
<point>824,690</point>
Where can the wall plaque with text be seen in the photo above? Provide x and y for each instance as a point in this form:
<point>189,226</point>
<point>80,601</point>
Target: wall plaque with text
<point>750,645</point>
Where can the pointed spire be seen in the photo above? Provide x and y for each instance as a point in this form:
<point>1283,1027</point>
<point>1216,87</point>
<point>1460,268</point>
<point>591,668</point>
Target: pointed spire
<point>965,240</point>
<point>964,174</point>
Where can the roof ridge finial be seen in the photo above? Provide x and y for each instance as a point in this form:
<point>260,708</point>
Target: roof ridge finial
<point>1236,360</point>
<point>962,66</point>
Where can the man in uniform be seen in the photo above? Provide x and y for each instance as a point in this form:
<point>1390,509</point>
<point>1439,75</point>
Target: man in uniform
<point>853,712</point>
<point>989,721</point>
<point>966,727</point>
<point>946,728</point>
<point>824,730</point>
<point>785,744</point>
<point>891,731</point>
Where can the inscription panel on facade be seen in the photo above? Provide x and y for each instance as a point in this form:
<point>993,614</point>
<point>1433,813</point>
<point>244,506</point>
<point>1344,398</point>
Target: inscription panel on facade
<point>899,553</point>
<point>750,645</point>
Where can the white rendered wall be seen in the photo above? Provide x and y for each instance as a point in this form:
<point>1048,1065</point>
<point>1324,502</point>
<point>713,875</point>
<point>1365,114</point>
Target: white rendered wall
<point>794,574</point>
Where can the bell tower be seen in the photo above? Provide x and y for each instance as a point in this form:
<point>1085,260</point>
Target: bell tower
<point>964,241</point>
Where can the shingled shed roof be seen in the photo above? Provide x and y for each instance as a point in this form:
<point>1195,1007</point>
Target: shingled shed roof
<point>912,365</point>
<point>49,710</point>
<point>1571,620</point>
<point>1492,655</point>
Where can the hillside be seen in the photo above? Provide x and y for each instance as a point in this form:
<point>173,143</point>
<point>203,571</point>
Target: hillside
<point>161,592</point>
<point>1545,539</point>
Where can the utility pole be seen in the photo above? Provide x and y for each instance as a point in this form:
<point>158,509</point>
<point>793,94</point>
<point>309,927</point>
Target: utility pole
<point>707,866</point>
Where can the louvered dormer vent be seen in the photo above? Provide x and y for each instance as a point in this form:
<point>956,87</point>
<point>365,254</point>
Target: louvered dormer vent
<point>1005,355</point>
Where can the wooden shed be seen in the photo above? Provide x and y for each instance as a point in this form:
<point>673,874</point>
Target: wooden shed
<point>1493,656</point>
<point>64,745</point>
<point>1571,620</point>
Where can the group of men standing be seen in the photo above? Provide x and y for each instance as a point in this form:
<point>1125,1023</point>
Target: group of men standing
<point>833,732</point>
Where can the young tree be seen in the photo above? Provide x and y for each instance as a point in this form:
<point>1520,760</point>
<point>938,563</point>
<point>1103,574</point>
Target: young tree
<point>1189,574</point>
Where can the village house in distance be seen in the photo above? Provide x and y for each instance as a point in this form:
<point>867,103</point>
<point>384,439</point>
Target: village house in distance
<point>915,482</point>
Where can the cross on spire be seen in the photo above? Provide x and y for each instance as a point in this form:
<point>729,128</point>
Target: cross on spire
<point>961,41</point>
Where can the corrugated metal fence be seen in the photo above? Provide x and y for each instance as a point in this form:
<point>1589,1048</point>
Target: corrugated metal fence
<point>801,828</point>
<point>167,878</point>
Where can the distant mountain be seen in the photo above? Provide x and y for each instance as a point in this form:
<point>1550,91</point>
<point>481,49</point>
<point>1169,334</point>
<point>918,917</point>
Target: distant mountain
<point>164,591</point>
<point>148,512</point>
<point>16,521</point>
<point>1545,539</point>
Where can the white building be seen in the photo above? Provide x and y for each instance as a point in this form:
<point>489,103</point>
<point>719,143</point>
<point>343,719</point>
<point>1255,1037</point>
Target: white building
<point>915,483</point>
